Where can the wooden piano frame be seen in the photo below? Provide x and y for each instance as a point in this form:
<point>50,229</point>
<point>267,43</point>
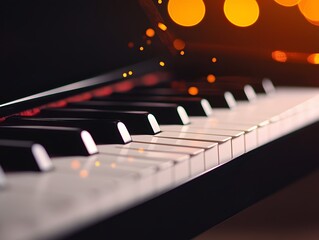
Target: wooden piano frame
<point>207,200</point>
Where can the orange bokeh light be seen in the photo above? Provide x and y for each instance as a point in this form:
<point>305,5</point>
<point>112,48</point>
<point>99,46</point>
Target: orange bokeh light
<point>279,56</point>
<point>162,64</point>
<point>193,91</point>
<point>211,78</point>
<point>287,3</point>
<point>310,10</point>
<point>241,13</point>
<point>162,26</point>
<point>150,32</point>
<point>313,58</point>
<point>130,44</point>
<point>186,13</point>
<point>179,44</point>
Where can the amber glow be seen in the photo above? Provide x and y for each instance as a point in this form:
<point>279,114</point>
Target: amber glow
<point>150,32</point>
<point>182,53</point>
<point>57,104</point>
<point>160,1</point>
<point>30,113</point>
<point>130,73</point>
<point>80,97</point>
<point>123,86</point>
<point>279,56</point>
<point>211,78</point>
<point>162,26</point>
<point>214,60</point>
<point>150,79</point>
<point>287,3</point>
<point>124,75</point>
<point>104,91</point>
<point>162,64</point>
<point>310,10</point>
<point>193,91</point>
<point>179,44</point>
<point>241,13</point>
<point>313,58</point>
<point>141,49</point>
<point>186,13</point>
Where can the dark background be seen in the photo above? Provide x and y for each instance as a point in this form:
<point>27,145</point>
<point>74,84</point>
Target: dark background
<point>46,44</point>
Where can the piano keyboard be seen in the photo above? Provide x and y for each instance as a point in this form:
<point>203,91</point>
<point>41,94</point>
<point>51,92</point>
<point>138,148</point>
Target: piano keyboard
<point>51,197</point>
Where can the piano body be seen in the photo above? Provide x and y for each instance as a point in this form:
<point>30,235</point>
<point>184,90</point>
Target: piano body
<point>95,141</point>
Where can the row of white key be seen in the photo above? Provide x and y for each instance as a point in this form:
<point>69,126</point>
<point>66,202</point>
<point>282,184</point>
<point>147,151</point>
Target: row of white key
<point>150,165</point>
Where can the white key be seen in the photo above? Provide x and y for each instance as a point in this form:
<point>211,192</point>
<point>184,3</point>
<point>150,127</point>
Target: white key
<point>197,160</point>
<point>211,148</point>
<point>163,177</point>
<point>224,143</point>
<point>53,202</point>
<point>182,161</point>
<point>238,140</point>
<point>251,134</point>
<point>252,137</point>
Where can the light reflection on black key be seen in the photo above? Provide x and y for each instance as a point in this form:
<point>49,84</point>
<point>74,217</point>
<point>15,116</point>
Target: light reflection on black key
<point>217,99</point>
<point>194,106</point>
<point>103,131</point>
<point>137,122</point>
<point>165,113</point>
<point>23,156</point>
<point>58,141</point>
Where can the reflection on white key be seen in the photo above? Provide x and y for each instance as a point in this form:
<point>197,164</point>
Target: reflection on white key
<point>197,159</point>
<point>182,161</point>
<point>238,140</point>
<point>224,143</point>
<point>163,174</point>
<point>88,166</point>
<point>211,148</point>
<point>51,202</point>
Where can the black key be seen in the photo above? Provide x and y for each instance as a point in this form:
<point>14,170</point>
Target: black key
<point>165,113</point>
<point>245,93</point>
<point>194,106</point>
<point>239,91</point>
<point>23,156</point>
<point>136,122</point>
<point>103,131</point>
<point>58,141</point>
<point>260,85</point>
<point>221,99</point>
<point>2,179</point>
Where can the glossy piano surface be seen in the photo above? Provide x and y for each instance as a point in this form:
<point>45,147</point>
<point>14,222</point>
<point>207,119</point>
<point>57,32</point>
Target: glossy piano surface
<point>173,128</point>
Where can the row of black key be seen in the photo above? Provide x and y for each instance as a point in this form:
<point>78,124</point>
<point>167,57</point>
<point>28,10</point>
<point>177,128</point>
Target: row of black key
<point>105,118</point>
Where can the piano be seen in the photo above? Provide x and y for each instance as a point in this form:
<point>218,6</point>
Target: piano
<point>151,119</point>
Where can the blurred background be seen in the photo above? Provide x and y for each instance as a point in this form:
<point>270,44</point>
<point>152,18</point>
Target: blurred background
<point>274,38</point>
